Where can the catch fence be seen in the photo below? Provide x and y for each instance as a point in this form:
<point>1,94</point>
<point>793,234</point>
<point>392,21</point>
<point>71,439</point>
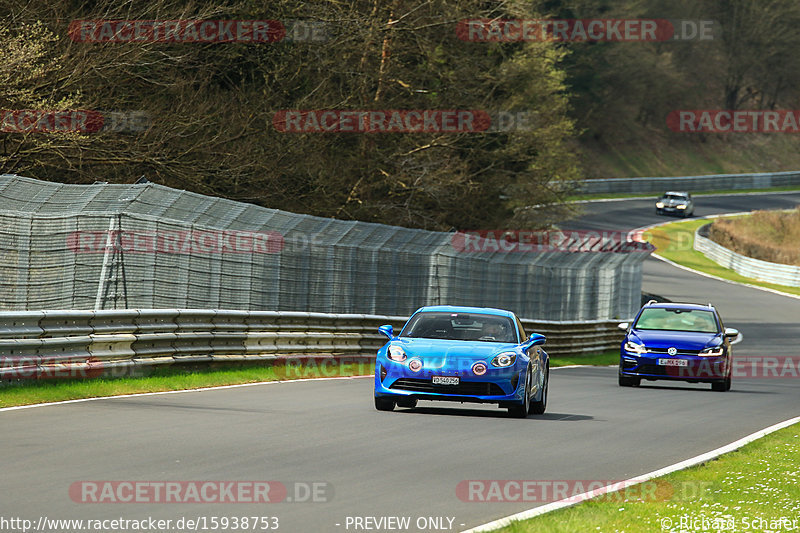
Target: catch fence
<point>112,246</point>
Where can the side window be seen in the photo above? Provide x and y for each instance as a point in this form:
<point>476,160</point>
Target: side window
<point>521,331</point>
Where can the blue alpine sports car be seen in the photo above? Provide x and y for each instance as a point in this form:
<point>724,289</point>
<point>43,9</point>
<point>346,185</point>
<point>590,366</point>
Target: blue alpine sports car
<point>672,341</point>
<point>463,354</point>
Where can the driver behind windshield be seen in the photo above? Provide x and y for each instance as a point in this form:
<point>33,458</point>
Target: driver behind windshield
<point>494,331</point>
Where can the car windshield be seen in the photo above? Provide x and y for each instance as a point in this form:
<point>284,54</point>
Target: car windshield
<point>674,197</point>
<point>677,319</point>
<point>461,326</point>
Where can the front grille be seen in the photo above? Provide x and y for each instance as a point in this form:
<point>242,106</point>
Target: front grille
<point>465,388</point>
<point>664,351</point>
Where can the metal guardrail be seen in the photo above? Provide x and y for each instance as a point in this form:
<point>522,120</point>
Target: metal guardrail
<point>746,266</point>
<point>716,182</point>
<point>41,344</point>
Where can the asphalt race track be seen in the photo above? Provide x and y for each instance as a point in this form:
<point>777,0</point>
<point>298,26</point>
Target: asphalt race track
<point>407,463</point>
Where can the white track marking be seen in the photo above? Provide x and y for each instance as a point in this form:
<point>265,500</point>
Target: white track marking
<point>572,500</point>
<point>178,391</point>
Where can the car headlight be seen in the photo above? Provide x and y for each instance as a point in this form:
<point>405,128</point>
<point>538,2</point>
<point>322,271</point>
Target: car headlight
<point>396,353</point>
<point>714,351</point>
<point>634,347</point>
<point>659,204</point>
<point>682,206</point>
<point>479,368</point>
<point>504,359</point>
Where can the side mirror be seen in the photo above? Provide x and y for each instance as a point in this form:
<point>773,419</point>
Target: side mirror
<point>537,339</point>
<point>624,326</point>
<point>387,330</point>
<point>731,333</point>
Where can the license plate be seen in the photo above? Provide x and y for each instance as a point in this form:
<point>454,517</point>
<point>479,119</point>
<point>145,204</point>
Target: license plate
<point>673,362</point>
<point>445,380</point>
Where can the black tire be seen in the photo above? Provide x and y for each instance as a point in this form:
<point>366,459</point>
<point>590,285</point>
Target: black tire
<point>538,407</point>
<point>722,386</point>
<point>625,381</point>
<point>384,404</point>
<point>408,403</point>
<point>522,410</point>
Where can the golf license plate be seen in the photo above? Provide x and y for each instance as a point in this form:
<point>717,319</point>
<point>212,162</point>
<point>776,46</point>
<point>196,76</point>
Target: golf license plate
<point>445,380</point>
<point>673,362</point>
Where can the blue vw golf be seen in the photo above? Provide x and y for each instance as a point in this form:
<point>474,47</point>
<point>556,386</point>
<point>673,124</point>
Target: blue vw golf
<point>685,342</point>
<point>463,354</point>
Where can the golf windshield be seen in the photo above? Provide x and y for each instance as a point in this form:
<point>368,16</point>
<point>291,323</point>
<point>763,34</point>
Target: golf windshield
<point>677,319</point>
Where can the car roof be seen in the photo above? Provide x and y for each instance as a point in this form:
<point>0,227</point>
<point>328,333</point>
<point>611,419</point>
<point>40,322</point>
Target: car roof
<point>668,305</point>
<point>677,193</point>
<point>462,309</point>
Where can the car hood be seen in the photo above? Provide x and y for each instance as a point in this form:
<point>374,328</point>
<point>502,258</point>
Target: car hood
<point>444,350</point>
<point>680,339</point>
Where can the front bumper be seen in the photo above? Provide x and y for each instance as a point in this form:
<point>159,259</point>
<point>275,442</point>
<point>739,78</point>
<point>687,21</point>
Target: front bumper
<point>697,370</point>
<point>497,385</point>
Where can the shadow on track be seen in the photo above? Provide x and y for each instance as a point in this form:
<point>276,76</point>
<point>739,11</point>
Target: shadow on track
<point>486,413</point>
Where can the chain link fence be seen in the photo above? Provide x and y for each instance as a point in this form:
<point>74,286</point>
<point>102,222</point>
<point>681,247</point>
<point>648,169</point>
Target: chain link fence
<point>107,246</point>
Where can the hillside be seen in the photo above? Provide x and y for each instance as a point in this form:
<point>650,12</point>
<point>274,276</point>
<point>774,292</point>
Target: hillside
<point>394,112</point>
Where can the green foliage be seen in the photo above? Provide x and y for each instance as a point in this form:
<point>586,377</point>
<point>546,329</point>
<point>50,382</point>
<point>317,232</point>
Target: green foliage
<point>212,107</point>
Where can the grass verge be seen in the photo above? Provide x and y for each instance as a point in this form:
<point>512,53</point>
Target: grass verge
<point>675,242</point>
<point>749,489</point>
<point>602,359</point>
<point>179,377</point>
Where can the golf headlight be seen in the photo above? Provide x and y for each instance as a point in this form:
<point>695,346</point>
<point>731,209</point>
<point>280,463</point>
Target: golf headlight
<point>396,353</point>
<point>714,351</point>
<point>633,347</point>
<point>682,206</point>
<point>659,204</point>
<point>504,359</point>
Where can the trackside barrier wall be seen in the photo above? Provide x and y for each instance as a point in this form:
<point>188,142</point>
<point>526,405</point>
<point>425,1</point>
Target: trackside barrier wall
<point>788,275</point>
<point>717,182</point>
<point>51,343</point>
<point>91,247</point>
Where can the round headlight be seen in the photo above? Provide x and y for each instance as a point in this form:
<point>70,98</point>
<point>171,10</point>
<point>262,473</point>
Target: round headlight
<point>415,365</point>
<point>479,369</point>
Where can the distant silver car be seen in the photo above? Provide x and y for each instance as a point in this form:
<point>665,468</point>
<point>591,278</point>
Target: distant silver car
<point>675,203</point>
